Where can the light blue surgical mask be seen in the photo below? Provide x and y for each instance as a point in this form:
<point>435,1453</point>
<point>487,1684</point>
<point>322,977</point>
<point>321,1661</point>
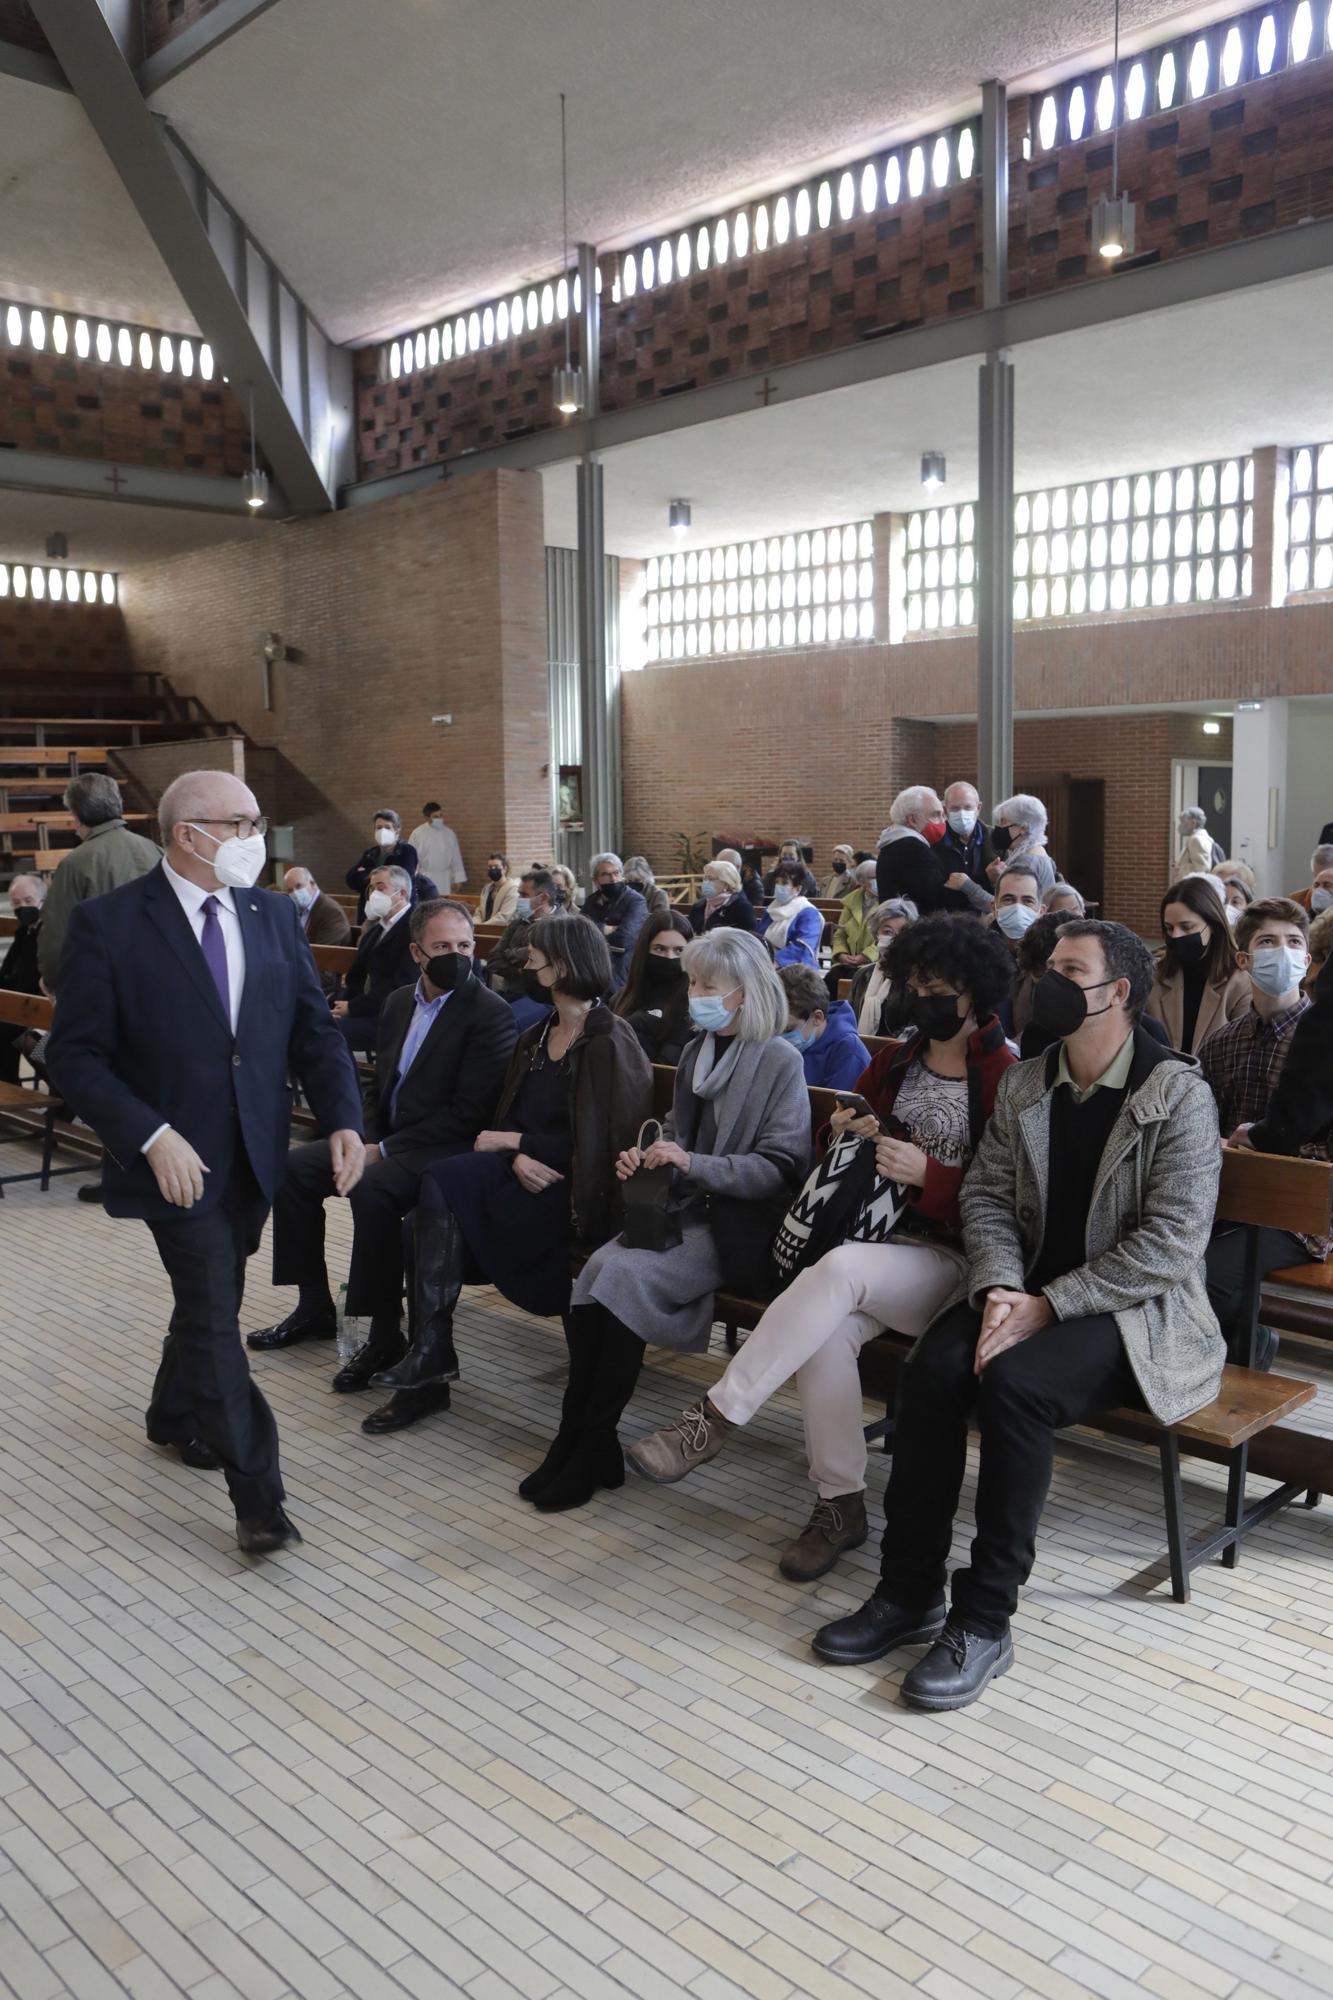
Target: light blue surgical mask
<point>711,1013</point>
<point>523,907</point>
<point>1278,968</point>
<point>1321,900</point>
<point>712,887</point>
<point>303,898</point>
<point>963,820</point>
<point>1016,919</point>
<point>783,893</point>
<point>797,1038</point>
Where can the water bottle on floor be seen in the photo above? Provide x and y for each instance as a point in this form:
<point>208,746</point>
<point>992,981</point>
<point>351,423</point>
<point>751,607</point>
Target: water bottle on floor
<point>353,1329</point>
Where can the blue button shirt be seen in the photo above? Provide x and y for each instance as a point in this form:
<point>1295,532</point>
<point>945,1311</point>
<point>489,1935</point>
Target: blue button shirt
<point>424,1014</point>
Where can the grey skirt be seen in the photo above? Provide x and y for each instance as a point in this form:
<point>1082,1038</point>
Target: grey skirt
<point>665,1296</point>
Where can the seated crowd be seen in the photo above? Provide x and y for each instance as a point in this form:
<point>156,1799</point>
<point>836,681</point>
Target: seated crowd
<point>1020,1172</point>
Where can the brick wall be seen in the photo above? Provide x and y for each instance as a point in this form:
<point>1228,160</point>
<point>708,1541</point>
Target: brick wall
<point>818,742</point>
<point>1236,164</point>
<point>426,605</point>
<point>39,638</point>
<point>87,409</point>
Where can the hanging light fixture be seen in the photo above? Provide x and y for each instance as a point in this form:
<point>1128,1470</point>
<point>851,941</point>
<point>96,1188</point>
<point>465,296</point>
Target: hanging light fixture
<point>932,470</point>
<point>678,517</point>
<point>1112,225</point>
<point>254,485</point>
<point>567,382</point>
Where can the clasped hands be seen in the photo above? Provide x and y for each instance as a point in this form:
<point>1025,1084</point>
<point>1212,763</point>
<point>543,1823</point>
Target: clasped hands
<point>662,1153</point>
<point>533,1176</point>
<point>1007,1318</point>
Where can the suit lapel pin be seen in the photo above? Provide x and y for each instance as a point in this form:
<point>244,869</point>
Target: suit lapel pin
<point>254,906</point>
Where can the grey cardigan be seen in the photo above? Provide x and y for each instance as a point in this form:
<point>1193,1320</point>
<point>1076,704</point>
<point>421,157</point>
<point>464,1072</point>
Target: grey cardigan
<point>1148,1222</point>
<point>762,1146</point>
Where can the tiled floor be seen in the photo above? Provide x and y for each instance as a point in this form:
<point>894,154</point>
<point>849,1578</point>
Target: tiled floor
<point>452,1746</point>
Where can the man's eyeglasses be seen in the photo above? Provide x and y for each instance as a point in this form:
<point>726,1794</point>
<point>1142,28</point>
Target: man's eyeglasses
<point>242,827</point>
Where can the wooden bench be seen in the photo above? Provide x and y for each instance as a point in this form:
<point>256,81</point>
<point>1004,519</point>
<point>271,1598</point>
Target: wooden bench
<point>71,755</point>
<point>34,1106</point>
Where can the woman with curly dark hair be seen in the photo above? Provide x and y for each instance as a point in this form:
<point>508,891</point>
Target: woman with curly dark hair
<point>655,996</point>
<point>897,1257</point>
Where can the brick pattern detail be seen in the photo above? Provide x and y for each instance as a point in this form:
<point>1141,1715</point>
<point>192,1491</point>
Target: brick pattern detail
<point>163,20</point>
<point>40,638</point>
<point>1237,164</point>
<point>1234,165</point>
<point>87,409</point>
<point>431,604</point>
<point>830,289</point>
<point>710,746</point>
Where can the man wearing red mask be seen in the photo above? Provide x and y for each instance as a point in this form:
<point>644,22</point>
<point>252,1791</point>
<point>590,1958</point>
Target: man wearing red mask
<point>909,862</point>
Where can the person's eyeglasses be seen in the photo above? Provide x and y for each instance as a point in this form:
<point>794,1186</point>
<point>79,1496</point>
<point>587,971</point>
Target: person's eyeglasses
<point>242,827</point>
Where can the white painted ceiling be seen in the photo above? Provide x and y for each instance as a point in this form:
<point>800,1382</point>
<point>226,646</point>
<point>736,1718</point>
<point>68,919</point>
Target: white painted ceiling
<point>1168,389</point>
<point>403,156</point>
<point>112,534</point>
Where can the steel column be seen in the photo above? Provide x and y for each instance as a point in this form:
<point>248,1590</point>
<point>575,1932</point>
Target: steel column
<point>599,672</point>
<point>994,167</point>
<point>995,587</point>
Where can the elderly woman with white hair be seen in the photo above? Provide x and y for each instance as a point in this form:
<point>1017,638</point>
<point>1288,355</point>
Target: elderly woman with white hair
<point>737,1144</point>
<point>640,876</point>
<point>1062,899</point>
<point>1018,833</point>
<point>1198,850</point>
<point>723,905</point>
<point>872,998</point>
<point>19,968</point>
<point>908,863</point>
<point>618,911</point>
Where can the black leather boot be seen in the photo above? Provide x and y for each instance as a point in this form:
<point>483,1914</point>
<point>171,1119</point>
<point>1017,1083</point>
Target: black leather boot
<point>597,1459</point>
<point>583,1332</point>
<point>438,1256</point>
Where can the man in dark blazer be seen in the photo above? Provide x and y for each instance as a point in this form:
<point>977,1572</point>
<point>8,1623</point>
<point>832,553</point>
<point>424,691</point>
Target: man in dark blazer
<point>444,1047</point>
<point>322,920</point>
<point>383,958</point>
<point>186,999</point>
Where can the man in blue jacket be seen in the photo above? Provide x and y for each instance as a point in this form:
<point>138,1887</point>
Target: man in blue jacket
<point>823,1031</point>
<point>187,998</point>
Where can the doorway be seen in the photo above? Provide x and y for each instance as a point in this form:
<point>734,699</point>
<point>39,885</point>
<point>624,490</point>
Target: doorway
<point>1076,831</point>
<point>1206,785</point>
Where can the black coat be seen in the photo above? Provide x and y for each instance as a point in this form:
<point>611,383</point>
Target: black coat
<point>404,855</point>
<point>1301,1108</point>
<point>619,913</point>
<point>735,913</point>
<point>450,1091</point>
<point>972,858</point>
<point>664,1031</point>
<point>383,960</point>
<point>19,971</point>
<point>911,867</point>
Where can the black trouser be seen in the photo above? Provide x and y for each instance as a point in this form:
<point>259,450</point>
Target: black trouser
<point>203,1388</point>
<point>9,1054</point>
<point>1060,1376</point>
<point>385,1193</point>
<point>1224,1270</point>
<point>359,1031</point>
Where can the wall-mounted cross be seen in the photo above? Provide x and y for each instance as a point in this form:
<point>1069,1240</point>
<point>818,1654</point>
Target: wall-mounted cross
<point>116,479</point>
<point>766,392</point>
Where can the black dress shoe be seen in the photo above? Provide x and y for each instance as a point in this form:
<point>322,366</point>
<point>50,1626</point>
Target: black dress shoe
<point>956,1669</point>
<point>874,1630</point>
<point>298,1326</point>
<point>360,1370</point>
<point>92,1192</point>
<point>190,1451</point>
<point>263,1534</point>
<point>406,1407</point>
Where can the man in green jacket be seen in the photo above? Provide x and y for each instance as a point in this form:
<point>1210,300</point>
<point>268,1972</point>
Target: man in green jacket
<point>107,855</point>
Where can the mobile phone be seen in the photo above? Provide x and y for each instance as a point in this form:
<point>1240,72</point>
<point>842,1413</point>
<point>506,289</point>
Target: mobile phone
<point>851,1100</point>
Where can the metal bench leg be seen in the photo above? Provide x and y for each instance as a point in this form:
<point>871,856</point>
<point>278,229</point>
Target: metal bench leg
<point>729,1330</point>
<point>1173,1500</point>
<point>1237,1467</point>
<point>1311,1499</point>
<point>48,1148</point>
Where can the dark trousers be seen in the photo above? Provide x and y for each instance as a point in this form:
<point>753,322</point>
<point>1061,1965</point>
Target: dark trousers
<point>204,1388</point>
<point>1060,1376</point>
<point>359,1031</point>
<point>385,1193</point>
<point>9,1054</point>
<point>1224,1270</point>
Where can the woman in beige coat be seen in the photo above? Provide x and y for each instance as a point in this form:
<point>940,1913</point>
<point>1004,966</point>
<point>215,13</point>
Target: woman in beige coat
<point>1198,986</point>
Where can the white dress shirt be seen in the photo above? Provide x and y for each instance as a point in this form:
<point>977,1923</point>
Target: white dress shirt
<point>192,899</point>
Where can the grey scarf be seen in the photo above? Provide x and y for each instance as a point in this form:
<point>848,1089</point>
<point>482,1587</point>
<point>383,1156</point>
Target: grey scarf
<point>713,1072</point>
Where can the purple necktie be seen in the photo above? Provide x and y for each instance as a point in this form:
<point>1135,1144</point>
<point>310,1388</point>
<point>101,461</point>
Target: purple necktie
<point>215,954</point>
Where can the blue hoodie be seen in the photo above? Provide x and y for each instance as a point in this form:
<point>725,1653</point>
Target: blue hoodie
<point>839,1057</point>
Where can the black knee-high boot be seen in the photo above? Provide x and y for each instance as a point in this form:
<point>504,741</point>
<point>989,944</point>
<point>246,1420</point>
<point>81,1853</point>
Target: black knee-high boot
<point>438,1255</point>
<point>583,1333</point>
<point>596,1459</point>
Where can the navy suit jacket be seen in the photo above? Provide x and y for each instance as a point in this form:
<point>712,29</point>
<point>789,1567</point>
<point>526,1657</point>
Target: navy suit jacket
<point>141,1040</point>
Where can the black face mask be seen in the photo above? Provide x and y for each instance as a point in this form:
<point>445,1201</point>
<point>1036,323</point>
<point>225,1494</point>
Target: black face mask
<point>1001,839</point>
<point>1060,1004</point>
<point>936,1015</point>
<point>27,918</point>
<point>534,990</point>
<point>448,970</point>
<point>840,867</point>
<point>495,874</point>
<point>662,975</point>
<point>1190,949</point>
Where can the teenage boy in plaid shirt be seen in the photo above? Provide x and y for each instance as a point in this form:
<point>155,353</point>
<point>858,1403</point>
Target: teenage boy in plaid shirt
<point>1242,1063</point>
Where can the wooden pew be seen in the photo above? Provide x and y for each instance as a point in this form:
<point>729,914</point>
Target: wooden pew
<point>27,754</point>
<point>34,1107</point>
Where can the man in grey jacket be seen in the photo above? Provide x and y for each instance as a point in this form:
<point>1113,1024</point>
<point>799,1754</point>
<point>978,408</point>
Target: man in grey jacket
<point>108,854</point>
<point>1086,1215</point>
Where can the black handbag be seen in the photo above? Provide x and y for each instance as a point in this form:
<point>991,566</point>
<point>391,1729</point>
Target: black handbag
<point>743,1232</point>
<point>650,1221</point>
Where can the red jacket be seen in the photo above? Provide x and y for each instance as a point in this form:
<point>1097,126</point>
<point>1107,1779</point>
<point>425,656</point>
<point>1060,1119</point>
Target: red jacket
<point>988,1057</point>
